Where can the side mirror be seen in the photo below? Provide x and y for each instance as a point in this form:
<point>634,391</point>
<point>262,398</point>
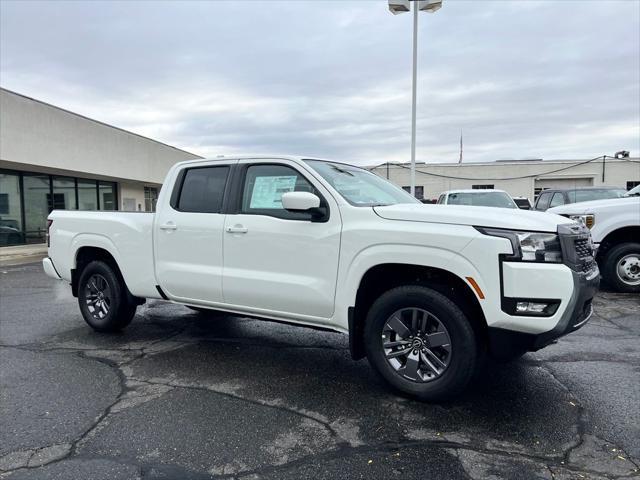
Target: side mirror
<point>300,201</point>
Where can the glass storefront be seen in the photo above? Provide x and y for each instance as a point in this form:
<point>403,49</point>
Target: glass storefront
<point>26,199</point>
<point>87,197</point>
<point>64,193</point>
<point>107,196</point>
<point>10,210</point>
<point>37,205</point>
<point>150,199</point>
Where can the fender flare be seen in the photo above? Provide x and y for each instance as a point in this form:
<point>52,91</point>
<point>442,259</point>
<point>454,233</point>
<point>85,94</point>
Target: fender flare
<point>94,240</point>
<point>422,256</point>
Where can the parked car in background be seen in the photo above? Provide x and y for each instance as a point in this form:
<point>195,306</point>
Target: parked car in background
<point>555,197</point>
<point>522,203</point>
<point>615,229</point>
<point>424,292</point>
<point>10,234</point>
<point>477,198</point>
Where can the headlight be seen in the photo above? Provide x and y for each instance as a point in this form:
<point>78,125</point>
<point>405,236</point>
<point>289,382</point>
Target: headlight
<point>588,220</point>
<point>530,246</point>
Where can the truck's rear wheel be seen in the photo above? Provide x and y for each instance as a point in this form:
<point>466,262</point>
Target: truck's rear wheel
<point>103,298</point>
<point>421,343</point>
<point>621,267</point>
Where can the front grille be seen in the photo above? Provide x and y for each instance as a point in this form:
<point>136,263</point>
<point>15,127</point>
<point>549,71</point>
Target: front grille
<point>577,250</point>
<point>588,266</point>
<point>583,248</point>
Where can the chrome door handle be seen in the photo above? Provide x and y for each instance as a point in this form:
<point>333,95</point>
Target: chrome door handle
<point>237,229</point>
<point>169,226</point>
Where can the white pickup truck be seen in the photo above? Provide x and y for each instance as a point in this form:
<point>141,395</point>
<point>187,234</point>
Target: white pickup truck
<point>615,228</point>
<point>424,291</point>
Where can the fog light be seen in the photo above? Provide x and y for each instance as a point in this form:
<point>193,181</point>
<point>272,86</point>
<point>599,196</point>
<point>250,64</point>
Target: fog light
<point>531,307</point>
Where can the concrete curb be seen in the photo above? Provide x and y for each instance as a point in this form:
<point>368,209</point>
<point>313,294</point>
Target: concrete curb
<point>22,254</point>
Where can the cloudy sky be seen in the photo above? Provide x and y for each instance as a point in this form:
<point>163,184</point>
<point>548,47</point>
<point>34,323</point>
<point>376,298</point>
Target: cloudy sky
<point>521,79</point>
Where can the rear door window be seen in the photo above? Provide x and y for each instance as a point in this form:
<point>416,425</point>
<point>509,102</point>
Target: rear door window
<point>203,189</point>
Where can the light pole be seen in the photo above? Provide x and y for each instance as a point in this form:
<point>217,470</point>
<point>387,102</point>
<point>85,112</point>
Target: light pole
<point>403,6</point>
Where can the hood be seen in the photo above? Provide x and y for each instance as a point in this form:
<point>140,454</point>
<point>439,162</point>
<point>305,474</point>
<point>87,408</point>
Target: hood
<point>514,219</point>
<point>595,206</point>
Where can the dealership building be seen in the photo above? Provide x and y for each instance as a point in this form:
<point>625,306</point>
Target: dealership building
<point>51,158</point>
<point>519,178</point>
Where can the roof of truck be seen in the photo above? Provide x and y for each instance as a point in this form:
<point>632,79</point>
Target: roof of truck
<point>296,158</point>
<point>475,190</point>
<point>572,189</point>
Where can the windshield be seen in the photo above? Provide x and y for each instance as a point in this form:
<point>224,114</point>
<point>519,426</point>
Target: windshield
<point>360,187</point>
<point>634,192</point>
<point>576,196</point>
<point>482,199</point>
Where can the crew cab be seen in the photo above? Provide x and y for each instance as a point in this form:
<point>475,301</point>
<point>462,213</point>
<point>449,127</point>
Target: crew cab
<point>615,228</point>
<point>423,291</point>
<point>550,198</point>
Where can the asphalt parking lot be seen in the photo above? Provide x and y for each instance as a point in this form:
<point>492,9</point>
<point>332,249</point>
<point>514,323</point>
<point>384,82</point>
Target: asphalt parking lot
<point>182,395</point>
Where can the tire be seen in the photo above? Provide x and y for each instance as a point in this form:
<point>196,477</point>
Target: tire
<point>461,360</point>
<point>104,300</point>
<point>621,267</point>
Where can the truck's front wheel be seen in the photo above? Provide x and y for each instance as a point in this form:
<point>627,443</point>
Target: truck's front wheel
<point>421,343</point>
<point>621,267</point>
<point>103,298</point>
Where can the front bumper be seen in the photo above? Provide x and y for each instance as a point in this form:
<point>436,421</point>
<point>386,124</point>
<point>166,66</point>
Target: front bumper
<point>509,343</point>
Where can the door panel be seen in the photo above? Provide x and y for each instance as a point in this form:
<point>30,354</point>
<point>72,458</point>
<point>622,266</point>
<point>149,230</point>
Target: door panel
<point>275,260</point>
<point>188,237</point>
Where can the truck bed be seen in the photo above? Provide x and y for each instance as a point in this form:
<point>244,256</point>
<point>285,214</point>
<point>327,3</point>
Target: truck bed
<point>127,236</point>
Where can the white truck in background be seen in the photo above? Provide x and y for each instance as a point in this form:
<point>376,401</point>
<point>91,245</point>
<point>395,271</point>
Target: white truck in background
<point>424,291</point>
<point>615,229</point>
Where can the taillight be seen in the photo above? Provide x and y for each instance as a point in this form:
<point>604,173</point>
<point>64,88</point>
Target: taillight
<point>49,223</point>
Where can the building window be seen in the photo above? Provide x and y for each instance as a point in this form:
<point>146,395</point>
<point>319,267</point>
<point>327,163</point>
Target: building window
<point>107,196</point>
<point>26,199</point>
<point>38,202</point>
<point>11,232</point>
<point>150,199</point>
<point>87,195</point>
<point>633,184</point>
<point>4,203</point>
<point>64,193</point>
<point>419,191</point>
<point>482,187</point>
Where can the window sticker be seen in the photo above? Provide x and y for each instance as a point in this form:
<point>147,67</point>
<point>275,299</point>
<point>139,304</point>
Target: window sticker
<point>267,191</point>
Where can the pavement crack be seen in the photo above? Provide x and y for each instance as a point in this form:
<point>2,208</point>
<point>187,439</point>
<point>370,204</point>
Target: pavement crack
<point>580,425</point>
<point>275,405</point>
<point>55,453</point>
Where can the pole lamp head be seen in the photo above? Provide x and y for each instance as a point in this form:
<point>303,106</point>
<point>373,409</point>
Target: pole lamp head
<point>399,6</point>
<point>430,5</point>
